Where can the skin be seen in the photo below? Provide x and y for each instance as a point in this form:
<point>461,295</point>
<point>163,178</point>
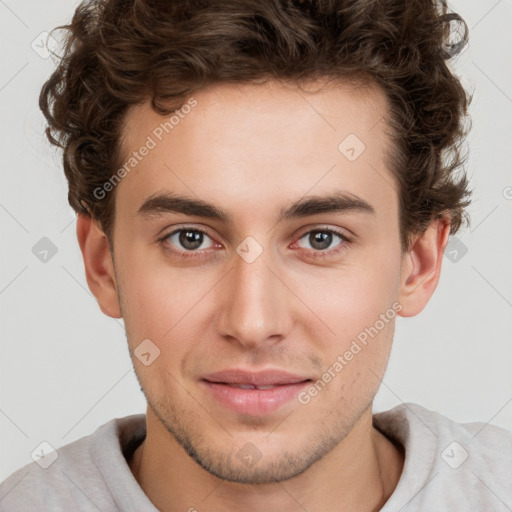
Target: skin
<point>254,149</point>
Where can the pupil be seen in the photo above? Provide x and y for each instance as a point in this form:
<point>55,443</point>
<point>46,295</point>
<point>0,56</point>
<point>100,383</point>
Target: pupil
<point>191,239</point>
<point>320,239</point>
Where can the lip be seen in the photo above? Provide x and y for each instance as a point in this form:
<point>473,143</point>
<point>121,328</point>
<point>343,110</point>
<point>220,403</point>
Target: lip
<point>270,377</point>
<point>253,402</point>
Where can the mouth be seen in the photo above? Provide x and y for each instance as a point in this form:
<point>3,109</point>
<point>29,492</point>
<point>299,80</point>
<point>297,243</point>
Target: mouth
<point>249,386</point>
<point>253,394</point>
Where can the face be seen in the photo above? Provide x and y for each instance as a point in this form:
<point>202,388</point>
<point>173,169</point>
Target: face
<point>257,304</point>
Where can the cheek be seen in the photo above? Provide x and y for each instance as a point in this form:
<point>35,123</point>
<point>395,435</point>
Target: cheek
<point>145,297</point>
<point>161,302</point>
<point>358,305</point>
<point>351,299</point>
<point>356,356</point>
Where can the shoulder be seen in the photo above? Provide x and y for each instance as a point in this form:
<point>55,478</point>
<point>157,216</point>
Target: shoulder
<point>447,463</point>
<point>73,476</point>
<point>409,422</point>
<point>480,440</point>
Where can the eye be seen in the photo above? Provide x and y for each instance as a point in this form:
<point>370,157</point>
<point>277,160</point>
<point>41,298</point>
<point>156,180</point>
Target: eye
<point>320,240</point>
<point>185,240</point>
<point>189,242</point>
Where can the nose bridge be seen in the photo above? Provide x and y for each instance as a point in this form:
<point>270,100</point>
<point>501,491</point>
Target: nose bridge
<point>254,304</point>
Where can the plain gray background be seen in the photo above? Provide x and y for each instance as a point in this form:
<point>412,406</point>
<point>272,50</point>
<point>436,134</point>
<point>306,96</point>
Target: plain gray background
<point>65,368</point>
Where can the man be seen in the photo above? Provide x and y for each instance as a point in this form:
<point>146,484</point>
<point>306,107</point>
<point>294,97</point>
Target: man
<point>261,188</point>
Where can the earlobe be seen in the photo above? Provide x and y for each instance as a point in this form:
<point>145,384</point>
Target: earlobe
<point>99,267</point>
<point>421,267</point>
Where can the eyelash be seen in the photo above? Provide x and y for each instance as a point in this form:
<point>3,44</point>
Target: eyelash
<point>316,254</point>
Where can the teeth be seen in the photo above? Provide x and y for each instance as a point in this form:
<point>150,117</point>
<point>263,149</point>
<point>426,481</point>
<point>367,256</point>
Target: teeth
<point>265,387</point>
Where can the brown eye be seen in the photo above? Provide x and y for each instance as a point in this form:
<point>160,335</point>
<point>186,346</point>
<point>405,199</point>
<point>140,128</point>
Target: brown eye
<point>190,239</point>
<point>322,239</point>
<point>187,240</point>
<point>324,242</point>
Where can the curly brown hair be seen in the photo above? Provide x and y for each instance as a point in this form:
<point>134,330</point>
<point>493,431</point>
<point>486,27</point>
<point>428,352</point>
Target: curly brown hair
<point>119,53</point>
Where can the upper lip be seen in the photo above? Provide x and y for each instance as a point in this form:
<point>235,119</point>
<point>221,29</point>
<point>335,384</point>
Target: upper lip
<point>262,378</point>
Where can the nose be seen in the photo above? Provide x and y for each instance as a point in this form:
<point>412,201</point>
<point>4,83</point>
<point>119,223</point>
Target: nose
<point>254,304</point>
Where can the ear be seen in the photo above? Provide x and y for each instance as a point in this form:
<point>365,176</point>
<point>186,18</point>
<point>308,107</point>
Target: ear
<point>421,267</point>
<point>99,267</point>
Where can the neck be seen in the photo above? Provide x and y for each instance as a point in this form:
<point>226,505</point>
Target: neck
<point>360,473</point>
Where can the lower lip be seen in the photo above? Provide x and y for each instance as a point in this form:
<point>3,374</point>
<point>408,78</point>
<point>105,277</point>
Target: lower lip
<point>254,402</point>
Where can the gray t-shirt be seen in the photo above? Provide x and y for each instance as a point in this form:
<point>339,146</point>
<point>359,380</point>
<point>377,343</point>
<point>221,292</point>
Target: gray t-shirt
<point>448,466</point>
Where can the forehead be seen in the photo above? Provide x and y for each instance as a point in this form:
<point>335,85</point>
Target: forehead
<point>248,146</point>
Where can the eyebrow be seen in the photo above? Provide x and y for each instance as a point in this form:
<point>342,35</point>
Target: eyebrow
<point>338,202</point>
